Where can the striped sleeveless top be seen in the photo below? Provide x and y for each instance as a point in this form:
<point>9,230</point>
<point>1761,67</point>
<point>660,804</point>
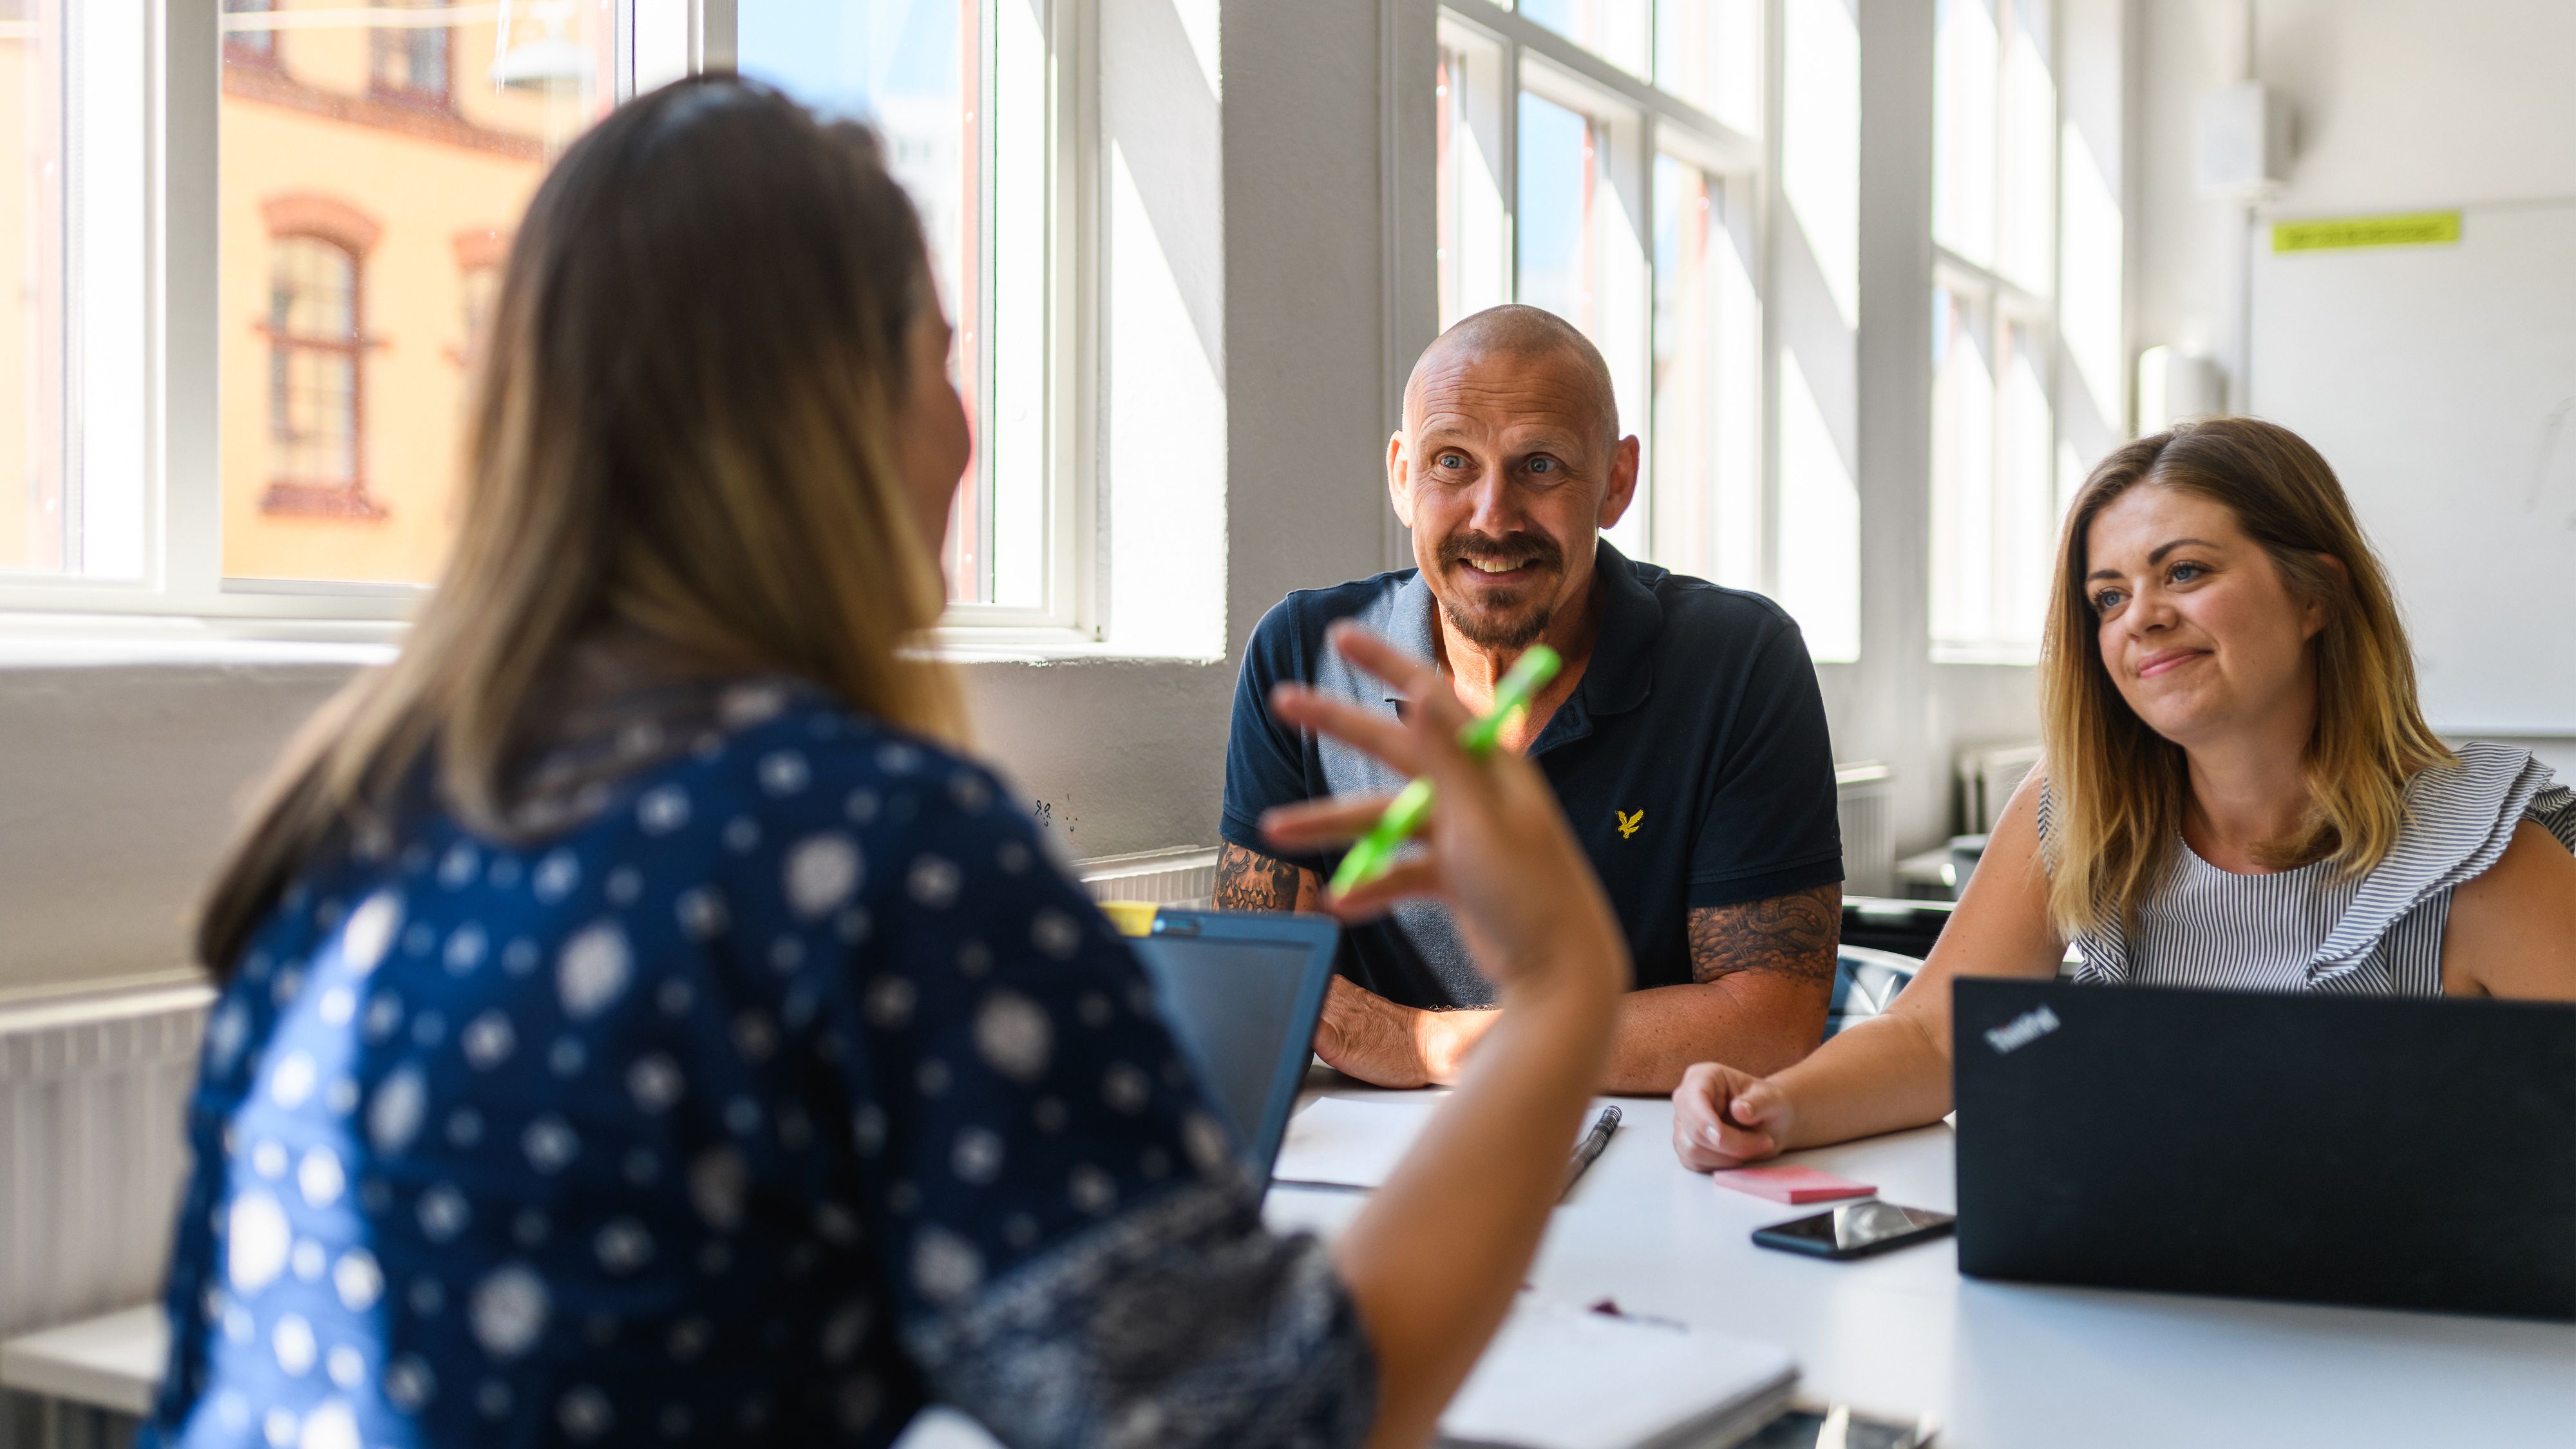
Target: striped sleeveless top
<point>2314,929</point>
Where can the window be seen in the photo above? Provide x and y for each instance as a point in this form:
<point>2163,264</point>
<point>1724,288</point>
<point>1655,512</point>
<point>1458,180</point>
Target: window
<point>962,93</point>
<point>2020,290</point>
<point>268,427</point>
<point>1595,158</point>
<point>1615,30</point>
<point>342,194</point>
<point>479,254</point>
<point>31,466</point>
<point>410,57</point>
<point>1708,355</point>
<point>1710,54</point>
<point>250,43</point>
<point>72,242</point>
<point>316,353</point>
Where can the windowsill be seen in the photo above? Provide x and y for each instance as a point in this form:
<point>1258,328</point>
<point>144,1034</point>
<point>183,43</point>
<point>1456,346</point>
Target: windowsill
<point>970,644</point>
<point>2020,656</point>
<point>33,640</point>
<point>107,641</point>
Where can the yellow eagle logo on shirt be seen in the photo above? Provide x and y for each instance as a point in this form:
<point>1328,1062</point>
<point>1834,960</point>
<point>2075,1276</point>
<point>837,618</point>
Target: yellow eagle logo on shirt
<point>1628,820</point>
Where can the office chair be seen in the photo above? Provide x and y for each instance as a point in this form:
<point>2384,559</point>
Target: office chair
<point>1865,981</point>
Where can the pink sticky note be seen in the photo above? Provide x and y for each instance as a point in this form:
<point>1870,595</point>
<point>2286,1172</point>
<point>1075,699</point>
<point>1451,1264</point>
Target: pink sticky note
<point>1790,1184</point>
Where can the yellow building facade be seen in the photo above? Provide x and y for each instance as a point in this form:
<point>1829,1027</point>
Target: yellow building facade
<point>371,177</point>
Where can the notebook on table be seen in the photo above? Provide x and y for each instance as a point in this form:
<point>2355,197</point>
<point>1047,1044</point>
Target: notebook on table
<point>1561,1377</point>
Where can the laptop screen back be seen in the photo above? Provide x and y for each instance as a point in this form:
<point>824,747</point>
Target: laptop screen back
<point>2379,1150</point>
<point>1242,1002</point>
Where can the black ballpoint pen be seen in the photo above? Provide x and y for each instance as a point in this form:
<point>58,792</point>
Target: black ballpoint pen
<point>1590,1148</point>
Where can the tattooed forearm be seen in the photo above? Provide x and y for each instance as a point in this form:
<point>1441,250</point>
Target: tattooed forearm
<point>1247,880</point>
<point>1794,935</point>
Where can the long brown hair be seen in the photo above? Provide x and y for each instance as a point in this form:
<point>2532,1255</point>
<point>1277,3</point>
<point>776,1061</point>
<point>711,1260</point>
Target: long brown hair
<point>2117,789</point>
<point>684,426</point>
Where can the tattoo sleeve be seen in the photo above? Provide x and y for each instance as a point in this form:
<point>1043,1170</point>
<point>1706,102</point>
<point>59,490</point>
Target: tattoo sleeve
<point>1247,880</point>
<point>1793,935</point>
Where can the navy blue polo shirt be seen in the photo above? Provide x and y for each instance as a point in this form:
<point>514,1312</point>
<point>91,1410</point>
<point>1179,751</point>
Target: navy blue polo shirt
<point>1692,762</point>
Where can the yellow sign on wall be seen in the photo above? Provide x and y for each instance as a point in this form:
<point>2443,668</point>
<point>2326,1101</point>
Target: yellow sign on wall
<point>2399,229</point>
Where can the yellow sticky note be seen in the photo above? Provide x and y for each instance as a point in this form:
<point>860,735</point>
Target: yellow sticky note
<point>2395,229</point>
<point>1132,918</point>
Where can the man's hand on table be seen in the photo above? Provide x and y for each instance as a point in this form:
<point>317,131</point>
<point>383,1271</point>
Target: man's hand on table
<point>1364,1035</point>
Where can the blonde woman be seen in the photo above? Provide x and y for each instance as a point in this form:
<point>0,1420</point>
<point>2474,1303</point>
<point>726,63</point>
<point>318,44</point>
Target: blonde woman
<point>2239,791</point>
<point>639,1024</point>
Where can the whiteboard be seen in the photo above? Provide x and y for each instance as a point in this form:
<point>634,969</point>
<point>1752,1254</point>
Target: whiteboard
<point>2440,383</point>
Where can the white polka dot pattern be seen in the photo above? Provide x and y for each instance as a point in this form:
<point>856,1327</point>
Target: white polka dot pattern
<point>592,971</point>
<point>576,1108</point>
<point>822,871</point>
<point>369,931</point>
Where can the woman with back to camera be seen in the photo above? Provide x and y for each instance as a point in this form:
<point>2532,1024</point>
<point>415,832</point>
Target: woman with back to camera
<point>2238,790</point>
<point>636,1026</point>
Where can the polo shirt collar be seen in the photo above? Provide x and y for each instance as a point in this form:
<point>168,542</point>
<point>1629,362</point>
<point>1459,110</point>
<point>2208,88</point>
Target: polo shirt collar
<point>1622,671</point>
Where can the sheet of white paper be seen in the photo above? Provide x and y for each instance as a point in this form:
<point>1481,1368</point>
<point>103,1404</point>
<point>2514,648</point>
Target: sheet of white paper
<point>1357,1143</point>
<point>1559,1377</point>
<point>1351,1143</point>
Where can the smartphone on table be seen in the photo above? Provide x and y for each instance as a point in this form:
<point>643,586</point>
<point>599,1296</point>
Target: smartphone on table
<point>1855,1230</point>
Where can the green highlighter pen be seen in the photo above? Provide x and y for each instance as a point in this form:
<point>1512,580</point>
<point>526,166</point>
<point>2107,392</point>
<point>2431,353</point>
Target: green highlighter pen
<point>1372,853</point>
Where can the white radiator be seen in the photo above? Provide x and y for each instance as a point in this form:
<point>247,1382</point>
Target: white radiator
<point>92,1095</point>
<point>1184,877</point>
<point>1987,779</point>
<point>1865,799</point>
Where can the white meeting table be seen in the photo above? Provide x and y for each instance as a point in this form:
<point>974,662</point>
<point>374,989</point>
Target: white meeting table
<point>2013,1365</point>
<point>1997,1365</point>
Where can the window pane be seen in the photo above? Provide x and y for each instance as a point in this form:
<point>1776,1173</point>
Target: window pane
<point>1448,92</point>
<point>2026,525</point>
<point>1963,129</point>
<point>1467,143</point>
<point>73,161</point>
<point>1963,472</point>
<point>1580,231</point>
<point>32,533</point>
<point>1615,30</point>
<point>1709,52</point>
<point>2089,302</point>
<point>1819,524</point>
<point>2027,239</point>
<point>1820,141</point>
<point>1706,479</point>
<point>1560,186</point>
<point>914,70</point>
<point>374,163</point>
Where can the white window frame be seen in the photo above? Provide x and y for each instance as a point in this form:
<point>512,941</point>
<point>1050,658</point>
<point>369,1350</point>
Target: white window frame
<point>2002,302</point>
<point>1644,122</point>
<point>173,421</point>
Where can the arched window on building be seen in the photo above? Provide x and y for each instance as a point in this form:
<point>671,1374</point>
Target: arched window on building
<point>316,380</point>
<point>480,251</point>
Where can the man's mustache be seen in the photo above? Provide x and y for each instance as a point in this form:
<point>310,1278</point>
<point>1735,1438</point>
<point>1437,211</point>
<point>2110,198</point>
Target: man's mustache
<point>1514,548</point>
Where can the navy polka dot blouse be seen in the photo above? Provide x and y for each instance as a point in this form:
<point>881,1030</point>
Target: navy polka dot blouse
<point>784,1088</point>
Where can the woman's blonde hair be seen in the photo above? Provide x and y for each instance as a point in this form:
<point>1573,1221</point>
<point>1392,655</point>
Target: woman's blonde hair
<point>685,427</point>
<point>2117,789</point>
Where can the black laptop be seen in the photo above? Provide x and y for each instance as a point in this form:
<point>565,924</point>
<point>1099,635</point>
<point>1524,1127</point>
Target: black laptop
<point>1242,992</point>
<point>2378,1151</point>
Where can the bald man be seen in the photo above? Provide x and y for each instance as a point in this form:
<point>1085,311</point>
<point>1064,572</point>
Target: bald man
<point>1685,735</point>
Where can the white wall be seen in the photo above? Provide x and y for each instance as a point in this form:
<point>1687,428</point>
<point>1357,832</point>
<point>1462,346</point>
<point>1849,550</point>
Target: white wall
<point>117,784</point>
<point>2397,105</point>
